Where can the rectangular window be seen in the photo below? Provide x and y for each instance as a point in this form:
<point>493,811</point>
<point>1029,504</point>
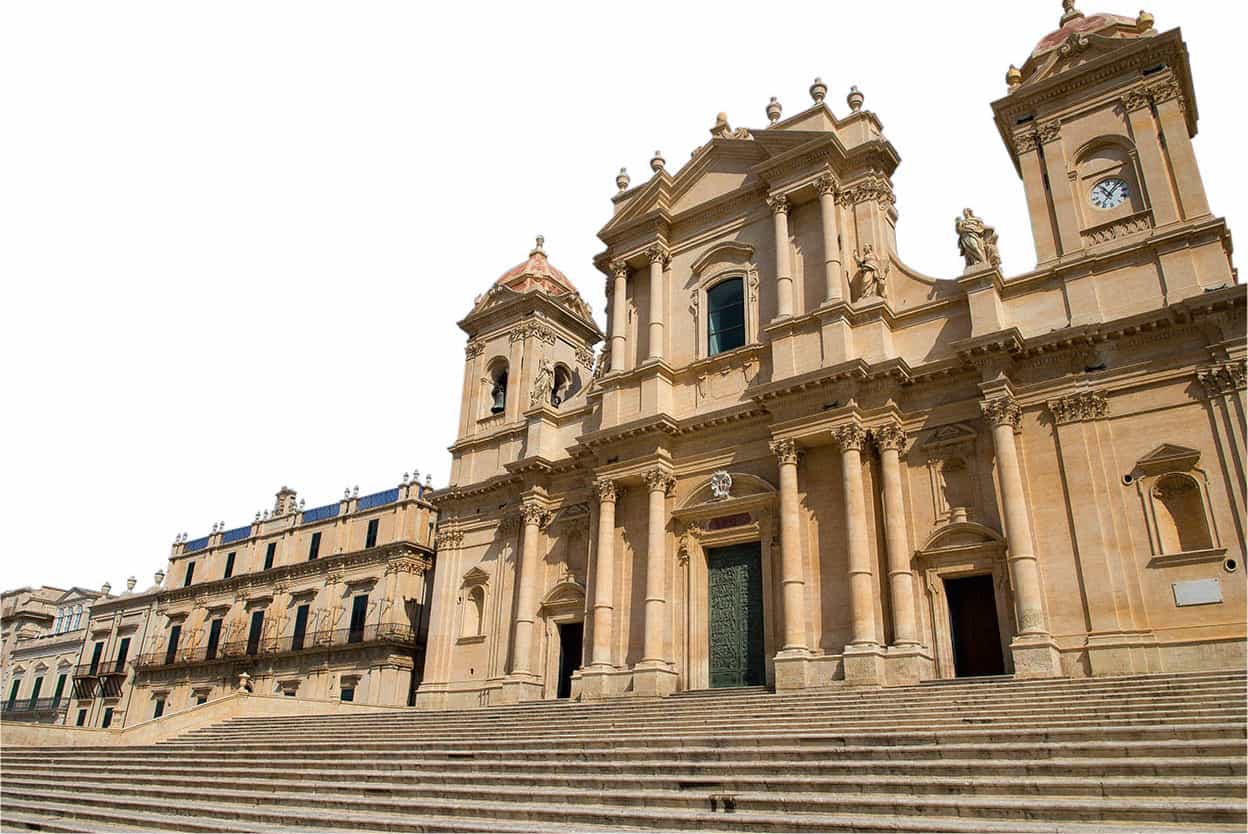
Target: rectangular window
<point>359,610</point>
<point>314,548</point>
<point>13,694</point>
<point>348,693</point>
<point>95,657</point>
<point>123,649</point>
<point>201,698</point>
<point>270,553</point>
<point>229,565</point>
<point>370,538</point>
<point>190,574</point>
<point>59,691</point>
<point>253,636</point>
<point>159,710</point>
<point>171,650</point>
<point>725,316</point>
<point>82,718</point>
<point>301,627</point>
<point>214,639</point>
<point>34,693</point>
<point>108,718</point>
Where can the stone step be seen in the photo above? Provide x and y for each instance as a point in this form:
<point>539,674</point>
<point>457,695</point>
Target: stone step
<point>1086,768</point>
<point>432,781</point>
<point>576,807</point>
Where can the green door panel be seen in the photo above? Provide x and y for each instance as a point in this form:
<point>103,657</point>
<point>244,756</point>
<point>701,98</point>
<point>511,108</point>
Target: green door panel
<point>736,615</point>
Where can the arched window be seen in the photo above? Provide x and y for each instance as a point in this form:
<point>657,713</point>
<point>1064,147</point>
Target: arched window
<point>474,612</point>
<point>498,387</point>
<point>77,618</point>
<point>1181,520</point>
<point>725,316</point>
<point>561,389</point>
<point>60,618</point>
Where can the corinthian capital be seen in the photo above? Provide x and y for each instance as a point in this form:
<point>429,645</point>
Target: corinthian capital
<point>657,253</point>
<point>1001,411</point>
<point>659,479</point>
<point>606,491</point>
<point>826,184</point>
<point>786,451</point>
<point>849,437</point>
<point>889,436</point>
<point>1082,405</point>
<point>1224,378</point>
<point>619,269</point>
<point>533,513</point>
<point>778,203</point>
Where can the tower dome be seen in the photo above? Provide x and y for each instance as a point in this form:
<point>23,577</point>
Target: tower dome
<point>536,273</point>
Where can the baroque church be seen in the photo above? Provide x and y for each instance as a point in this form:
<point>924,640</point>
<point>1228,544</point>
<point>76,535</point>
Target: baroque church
<point>795,461</point>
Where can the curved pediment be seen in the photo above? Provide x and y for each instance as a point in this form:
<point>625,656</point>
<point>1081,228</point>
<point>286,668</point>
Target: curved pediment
<point>567,595</point>
<point>723,256</point>
<point>960,535</point>
<point>742,485</point>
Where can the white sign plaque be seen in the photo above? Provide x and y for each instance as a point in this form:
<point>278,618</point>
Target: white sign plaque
<point>1197,592</point>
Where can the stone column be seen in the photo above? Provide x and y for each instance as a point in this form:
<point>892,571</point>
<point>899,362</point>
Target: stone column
<point>1035,654</point>
<point>779,206</point>
<point>863,656</point>
<point>604,577</point>
<point>653,675</point>
<point>890,440</point>
<point>526,603</point>
<point>831,239</point>
<point>619,314</point>
<point>658,259</point>
<point>792,577</point>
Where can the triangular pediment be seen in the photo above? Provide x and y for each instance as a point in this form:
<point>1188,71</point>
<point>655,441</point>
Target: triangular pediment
<point>1168,457</point>
<point>475,576</point>
<point>720,167</point>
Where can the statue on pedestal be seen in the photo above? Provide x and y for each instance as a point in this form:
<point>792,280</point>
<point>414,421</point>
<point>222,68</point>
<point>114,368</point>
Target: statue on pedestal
<point>872,272</point>
<point>977,242</point>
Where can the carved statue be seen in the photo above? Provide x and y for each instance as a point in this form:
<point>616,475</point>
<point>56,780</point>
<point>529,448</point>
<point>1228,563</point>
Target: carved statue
<point>498,394</point>
<point>563,382</point>
<point>977,242</point>
<point>872,274</point>
<point>543,383</point>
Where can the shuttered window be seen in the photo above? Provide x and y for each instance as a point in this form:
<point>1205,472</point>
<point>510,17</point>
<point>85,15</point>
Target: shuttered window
<point>370,538</point>
<point>229,565</point>
<point>359,610</point>
<point>123,649</point>
<point>214,639</point>
<point>253,636</point>
<point>314,547</point>
<point>301,627</point>
<point>270,553</point>
<point>171,650</point>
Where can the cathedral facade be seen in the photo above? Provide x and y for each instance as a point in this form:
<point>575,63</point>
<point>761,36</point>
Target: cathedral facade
<point>797,461</point>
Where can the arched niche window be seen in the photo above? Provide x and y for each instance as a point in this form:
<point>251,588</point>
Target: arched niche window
<point>1108,181</point>
<point>1180,511</point>
<point>497,387</point>
<point>561,387</point>
<point>725,316</point>
<point>474,612</point>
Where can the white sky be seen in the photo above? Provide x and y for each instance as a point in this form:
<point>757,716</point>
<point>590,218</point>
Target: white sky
<point>235,237</point>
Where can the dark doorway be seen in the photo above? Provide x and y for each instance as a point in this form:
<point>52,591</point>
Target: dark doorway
<point>570,647</point>
<point>735,609</point>
<point>973,627</point>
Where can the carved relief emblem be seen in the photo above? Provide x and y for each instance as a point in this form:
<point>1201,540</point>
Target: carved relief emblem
<point>721,485</point>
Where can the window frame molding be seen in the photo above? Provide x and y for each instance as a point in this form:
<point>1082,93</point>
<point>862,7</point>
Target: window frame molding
<point>721,262</point>
<point>1169,460</point>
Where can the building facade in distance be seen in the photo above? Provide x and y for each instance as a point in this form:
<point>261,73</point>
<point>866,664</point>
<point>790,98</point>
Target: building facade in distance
<point>43,633</point>
<point>802,461</point>
<point>326,603</point>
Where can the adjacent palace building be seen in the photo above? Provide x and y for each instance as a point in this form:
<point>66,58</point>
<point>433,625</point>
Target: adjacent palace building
<point>792,460</point>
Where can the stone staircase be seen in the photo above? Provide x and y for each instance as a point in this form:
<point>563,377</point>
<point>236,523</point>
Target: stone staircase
<point>1146,753</point>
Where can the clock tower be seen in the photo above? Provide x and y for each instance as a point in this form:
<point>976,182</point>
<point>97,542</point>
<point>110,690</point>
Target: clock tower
<point>1100,120</point>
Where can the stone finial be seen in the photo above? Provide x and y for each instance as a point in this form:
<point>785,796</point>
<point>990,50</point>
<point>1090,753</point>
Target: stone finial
<point>106,587</point>
<point>266,515</point>
<point>1069,12</point>
<point>1144,22</point>
<point>415,475</point>
<point>1013,77</point>
<point>130,583</point>
<point>244,682</point>
<point>855,99</point>
<point>257,515</point>
<point>302,504</point>
<point>773,110</point>
<point>355,491</point>
<point>818,91</point>
<point>214,527</point>
<point>537,249</point>
<point>160,578</point>
<point>346,492</point>
<point>657,162</point>
<point>407,477</point>
<point>428,480</point>
<point>622,179</point>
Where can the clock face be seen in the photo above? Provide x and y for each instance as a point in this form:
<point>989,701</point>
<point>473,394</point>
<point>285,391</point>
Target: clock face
<point>1110,193</point>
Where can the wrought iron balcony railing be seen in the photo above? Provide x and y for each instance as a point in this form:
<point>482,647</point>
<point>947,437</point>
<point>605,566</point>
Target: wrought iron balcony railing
<point>40,710</point>
<point>400,634</point>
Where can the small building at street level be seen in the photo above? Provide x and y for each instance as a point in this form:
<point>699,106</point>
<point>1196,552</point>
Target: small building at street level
<point>796,460</point>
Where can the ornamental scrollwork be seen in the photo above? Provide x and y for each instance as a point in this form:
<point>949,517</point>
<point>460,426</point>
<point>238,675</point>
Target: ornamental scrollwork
<point>1080,406</point>
<point>534,514</point>
<point>657,253</point>
<point>889,437</point>
<point>658,479</point>
<point>1002,411</point>
<point>585,358</point>
<point>606,491</point>
<point>778,203</point>
<point>474,349</point>
<point>1024,142</point>
<point>875,189</point>
<point>826,184</point>
<point>1049,131</point>
<point>449,538</point>
<point>534,329</point>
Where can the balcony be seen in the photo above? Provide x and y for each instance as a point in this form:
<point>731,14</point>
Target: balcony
<point>102,679</point>
<point>313,640</point>
<point>38,711</point>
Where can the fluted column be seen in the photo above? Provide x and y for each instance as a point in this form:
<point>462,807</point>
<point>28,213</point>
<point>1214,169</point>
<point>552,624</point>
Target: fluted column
<point>658,259</point>
<point>891,440</point>
<point>619,313</point>
<point>792,577</point>
<point>526,604</point>
<point>659,483</point>
<point>779,206</point>
<point>831,239</point>
<point>1003,414</point>
<point>604,576</point>
<point>861,603</point>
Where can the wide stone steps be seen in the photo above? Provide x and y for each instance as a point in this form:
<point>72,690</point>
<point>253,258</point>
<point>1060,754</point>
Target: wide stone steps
<point>1127,754</point>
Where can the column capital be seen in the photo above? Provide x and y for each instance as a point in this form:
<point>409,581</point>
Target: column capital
<point>1079,406</point>
<point>826,185</point>
<point>1223,378</point>
<point>606,491</point>
<point>1049,131</point>
<point>619,268</point>
<point>849,437</point>
<point>778,203</point>
<point>449,538</point>
<point>786,451</point>
<point>534,513</point>
<point>474,349</point>
<point>658,253</point>
<point>889,436</point>
<point>1001,411</point>
<point>658,479</point>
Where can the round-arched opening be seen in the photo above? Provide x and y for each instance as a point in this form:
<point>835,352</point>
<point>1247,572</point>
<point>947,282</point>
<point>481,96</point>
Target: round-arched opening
<point>1181,520</point>
<point>498,386</point>
<point>561,387</point>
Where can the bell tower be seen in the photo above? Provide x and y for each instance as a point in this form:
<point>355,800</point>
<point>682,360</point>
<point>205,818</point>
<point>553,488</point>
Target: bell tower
<point>1099,121</point>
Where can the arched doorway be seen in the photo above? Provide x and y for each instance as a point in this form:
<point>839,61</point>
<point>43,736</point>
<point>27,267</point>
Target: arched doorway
<point>563,618</point>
